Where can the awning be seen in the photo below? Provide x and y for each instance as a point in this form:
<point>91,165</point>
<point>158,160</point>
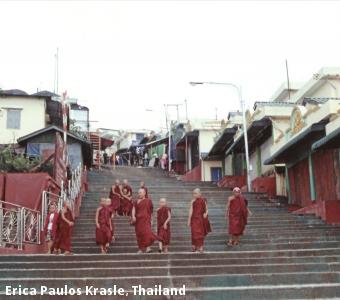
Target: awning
<point>330,141</point>
<point>222,143</point>
<point>157,142</point>
<point>258,132</point>
<point>189,137</point>
<point>122,150</point>
<point>298,145</point>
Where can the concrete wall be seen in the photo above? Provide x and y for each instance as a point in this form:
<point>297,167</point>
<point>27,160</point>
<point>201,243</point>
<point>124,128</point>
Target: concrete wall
<point>228,166</point>
<point>206,140</point>
<point>206,165</point>
<point>32,117</point>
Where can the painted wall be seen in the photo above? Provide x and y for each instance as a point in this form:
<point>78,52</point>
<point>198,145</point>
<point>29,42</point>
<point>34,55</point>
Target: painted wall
<point>32,117</point>
<point>206,171</point>
<point>206,140</point>
<point>228,166</point>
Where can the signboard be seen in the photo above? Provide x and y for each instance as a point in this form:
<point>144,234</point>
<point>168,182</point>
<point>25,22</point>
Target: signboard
<point>60,173</point>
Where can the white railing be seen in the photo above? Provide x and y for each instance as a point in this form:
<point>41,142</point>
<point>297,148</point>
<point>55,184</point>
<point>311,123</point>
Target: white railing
<point>18,225</point>
<point>68,193</point>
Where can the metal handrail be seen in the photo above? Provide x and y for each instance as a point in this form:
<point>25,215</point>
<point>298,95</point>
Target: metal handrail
<point>19,225</point>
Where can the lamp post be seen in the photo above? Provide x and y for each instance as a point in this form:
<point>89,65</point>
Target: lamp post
<point>242,104</point>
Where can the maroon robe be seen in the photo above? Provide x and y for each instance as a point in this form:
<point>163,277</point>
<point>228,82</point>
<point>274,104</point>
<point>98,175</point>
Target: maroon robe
<point>64,232</point>
<point>129,189</point>
<point>126,206</point>
<point>104,233</point>
<point>163,234</point>
<point>200,226</point>
<point>115,199</point>
<point>238,215</point>
<point>143,212</point>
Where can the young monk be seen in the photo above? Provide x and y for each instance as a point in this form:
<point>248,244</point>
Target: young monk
<point>126,202</point>
<point>163,225</point>
<point>64,232</point>
<point>103,226</point>
<point>115,196</point>
<point>112,216</point>
<point>142,186</point>
<point>237,214</point>
<point>198,221</point>
<point>127,186</point>
<point>50,227</point>
<point>142,218</point>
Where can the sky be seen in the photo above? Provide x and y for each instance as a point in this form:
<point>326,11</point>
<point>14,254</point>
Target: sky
<point>126,59</point>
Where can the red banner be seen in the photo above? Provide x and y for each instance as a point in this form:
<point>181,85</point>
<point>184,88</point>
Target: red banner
<point>60,173</point>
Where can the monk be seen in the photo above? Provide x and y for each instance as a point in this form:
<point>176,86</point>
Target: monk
<point>142,218</point>
<point>163,225</point>
<point>115,196</point>
<point>112,216</point>
<point>64,232</point>
<point>103,226</point>
<point>126,202</point>
<point>198,221</point>
<point>237,215</point>
<point>50,227</point>
<point>142,186</point>
<point>126,185</point>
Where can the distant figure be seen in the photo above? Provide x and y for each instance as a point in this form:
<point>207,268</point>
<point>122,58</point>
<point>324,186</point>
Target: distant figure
<point>142,186</point>
<point>65,228</point>
<point>198,221</point>
<point>237,215</point>
<point>105,158</point>
<point>50,227</point>
<point>163,225</point>
<point>103,226</point>
<point>164,161</point>
<point>142,218</point>
<point>146,159</point>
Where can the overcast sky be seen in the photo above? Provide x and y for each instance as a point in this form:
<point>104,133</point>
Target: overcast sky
<point>121,58</point>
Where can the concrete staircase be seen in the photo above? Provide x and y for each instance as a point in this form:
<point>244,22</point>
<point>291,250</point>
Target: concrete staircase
<point>282,256</point>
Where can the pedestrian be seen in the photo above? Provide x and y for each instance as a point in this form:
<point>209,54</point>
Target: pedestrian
<point>142,219</point>
<point>50,227</point>
<point>103,226</point>
<point>163,225</point>
<point>237,215</point>
<point>64,230</point>
<point>198,221</point>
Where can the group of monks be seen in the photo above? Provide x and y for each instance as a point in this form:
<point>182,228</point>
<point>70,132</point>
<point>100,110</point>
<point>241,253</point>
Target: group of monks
<point>58,229</point>
<point>58,226</point>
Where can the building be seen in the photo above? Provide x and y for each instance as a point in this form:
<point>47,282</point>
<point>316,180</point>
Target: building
<point>21,114</point>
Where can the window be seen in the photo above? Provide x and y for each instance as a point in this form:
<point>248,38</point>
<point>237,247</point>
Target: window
<point>13,118</point>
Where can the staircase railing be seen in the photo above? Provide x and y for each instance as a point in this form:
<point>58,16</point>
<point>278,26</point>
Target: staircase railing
<point>18,225</point>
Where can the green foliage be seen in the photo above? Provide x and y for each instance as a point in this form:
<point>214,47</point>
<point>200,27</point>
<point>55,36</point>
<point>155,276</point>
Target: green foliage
<point>14,163</point>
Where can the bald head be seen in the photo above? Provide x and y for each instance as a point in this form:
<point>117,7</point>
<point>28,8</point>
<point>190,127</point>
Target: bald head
<point>196,193</point>
<point>125,181</point>
<point>117,182</point>
<point>141,193</point>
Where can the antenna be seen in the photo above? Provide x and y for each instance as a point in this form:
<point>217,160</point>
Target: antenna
<point>288,85</point>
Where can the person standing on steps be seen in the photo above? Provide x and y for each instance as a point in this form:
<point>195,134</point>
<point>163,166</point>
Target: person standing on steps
<point>115,196</point>
<point>50,227</point>
<point>103,226</point>
<point>163,225</point>
<point>237,215</point>
<point>142,220</point>
<point>126,203</point>
<point>198,221</point>
<point>64,231</point>
<point>142,186</point>
<point>128,187</point>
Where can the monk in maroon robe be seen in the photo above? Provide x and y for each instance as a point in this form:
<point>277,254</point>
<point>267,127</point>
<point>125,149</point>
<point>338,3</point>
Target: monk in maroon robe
<point>115,196</point>
<point>128,187</point>
<point>142,218</point>
<point>126,203</point>
<point>198,221</point>
<point>64,232</point>
<point>163,225</point>
<point>103,226</point>
<point>237,215</point>
<point>142,186</point>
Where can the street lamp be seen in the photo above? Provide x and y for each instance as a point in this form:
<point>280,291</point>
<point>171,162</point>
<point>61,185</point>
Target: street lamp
<point>239,92</point>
